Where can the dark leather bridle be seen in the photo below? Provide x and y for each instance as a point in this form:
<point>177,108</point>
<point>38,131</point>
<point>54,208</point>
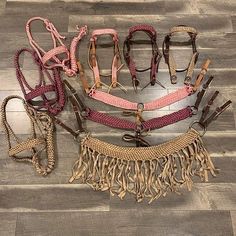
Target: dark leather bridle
<point>156,55</point>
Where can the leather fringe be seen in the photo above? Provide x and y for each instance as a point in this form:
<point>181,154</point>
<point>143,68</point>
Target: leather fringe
<point>144,178</point>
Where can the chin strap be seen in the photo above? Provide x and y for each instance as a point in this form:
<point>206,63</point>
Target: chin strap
<point>156,56</point>
<point>169,59</point>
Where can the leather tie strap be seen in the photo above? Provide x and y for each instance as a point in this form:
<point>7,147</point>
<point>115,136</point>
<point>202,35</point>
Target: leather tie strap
<point>156,55</point>
<point>77,106</point>
<point>202,92</point>
<point>41,138</point>
<point>40,89</point>
<point>169,59</point>
<point>93,60</point>
<point>52,58</point>
<point>204,122</point>
<point>201,75</point>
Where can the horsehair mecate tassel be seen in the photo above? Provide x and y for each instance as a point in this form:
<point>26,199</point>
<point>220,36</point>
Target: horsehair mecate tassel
<point>149,172</point>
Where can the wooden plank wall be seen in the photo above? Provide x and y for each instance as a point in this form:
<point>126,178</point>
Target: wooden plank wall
<point>31,205</point>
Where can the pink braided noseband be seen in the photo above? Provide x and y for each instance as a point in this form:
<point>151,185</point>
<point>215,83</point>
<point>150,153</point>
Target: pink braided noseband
<point>53,106</point>
<point>50,59</point>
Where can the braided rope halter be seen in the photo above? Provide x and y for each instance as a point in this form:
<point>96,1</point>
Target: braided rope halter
<point>51,59</point>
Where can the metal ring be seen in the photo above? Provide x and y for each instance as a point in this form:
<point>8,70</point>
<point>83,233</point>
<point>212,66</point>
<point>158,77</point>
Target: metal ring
<point>200,125</point>
<point>140,106</point>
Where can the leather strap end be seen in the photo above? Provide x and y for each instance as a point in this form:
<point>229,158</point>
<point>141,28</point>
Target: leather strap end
<point>187,80</point>
<point>173,79</point>
<point>206,64</point>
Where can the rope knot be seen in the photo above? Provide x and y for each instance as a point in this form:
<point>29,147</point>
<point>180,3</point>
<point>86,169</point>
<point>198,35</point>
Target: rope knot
<point>69,72</point>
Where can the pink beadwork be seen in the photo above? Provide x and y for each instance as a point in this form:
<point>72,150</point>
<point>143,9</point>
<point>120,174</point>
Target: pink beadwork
<point>164,101</point>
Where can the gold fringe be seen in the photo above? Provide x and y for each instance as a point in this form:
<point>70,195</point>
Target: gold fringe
<point>164,168</point>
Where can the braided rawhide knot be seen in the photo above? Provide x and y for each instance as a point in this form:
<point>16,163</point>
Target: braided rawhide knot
<point>69,72</point>
<point>45,121</point>
<point>82,30</point>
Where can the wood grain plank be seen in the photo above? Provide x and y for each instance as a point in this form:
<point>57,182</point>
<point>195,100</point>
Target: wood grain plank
<point>8,224</point>
<point>233,218</point>
<point>72,223</point>
<point>14,173</point>
<point>181,7</point>
<point>219,23</point>
<point>48,198</point>
<point>10,26</point>
<point>2,6</point>
<point>185,223</point>
<point>216,7</point>
<point>234,22</point>
<point>126,223</point>
<point>89,8</point>
<point>204,196</point>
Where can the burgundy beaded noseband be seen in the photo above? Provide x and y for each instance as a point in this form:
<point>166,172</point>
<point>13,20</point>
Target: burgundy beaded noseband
<point>52,105</point>
<point>156,55</point>
<point>169,59</point>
